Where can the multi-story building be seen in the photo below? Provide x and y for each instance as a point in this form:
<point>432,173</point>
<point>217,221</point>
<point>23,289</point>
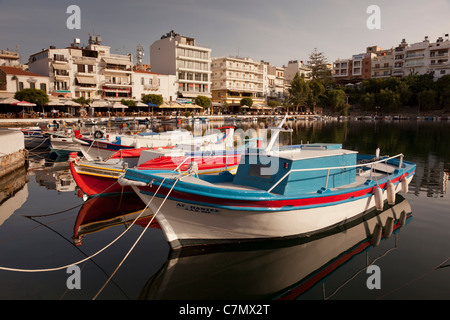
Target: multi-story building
<point>114,72</point>
<point>13,79</point>
<point>382,62</point>
<point>146,82</point>
<point>295,66</point>
<point>234,78</point>
<point>9,59</point>
<point>91,72</point>
<point>178,55</point>
<point>354,70</point>
<point>342,70</point>
<point>439,57</point>
<point>399,59</point>
<point>416,58</point>
<point>405,59</point>
<point>276,83</point>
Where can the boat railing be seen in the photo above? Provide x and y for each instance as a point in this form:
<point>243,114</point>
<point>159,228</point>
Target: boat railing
<point>360,165</point>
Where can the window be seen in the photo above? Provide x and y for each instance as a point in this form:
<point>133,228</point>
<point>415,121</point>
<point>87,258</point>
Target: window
<point>43,87</point>
<point>20,86</point>
<point>32,85</point>
<point>90,68</point>
<point>80,67</point>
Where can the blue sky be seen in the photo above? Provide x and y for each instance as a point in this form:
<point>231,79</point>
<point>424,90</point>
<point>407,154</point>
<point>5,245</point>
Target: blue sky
<point>274,31</point>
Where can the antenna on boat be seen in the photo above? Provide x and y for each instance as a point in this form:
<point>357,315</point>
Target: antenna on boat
<point>276,132</point>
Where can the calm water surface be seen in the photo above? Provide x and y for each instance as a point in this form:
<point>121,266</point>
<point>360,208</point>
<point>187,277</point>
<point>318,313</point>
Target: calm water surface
<point>39,222</point>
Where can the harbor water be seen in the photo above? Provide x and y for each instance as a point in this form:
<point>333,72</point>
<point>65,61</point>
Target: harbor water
<point>46,227</point>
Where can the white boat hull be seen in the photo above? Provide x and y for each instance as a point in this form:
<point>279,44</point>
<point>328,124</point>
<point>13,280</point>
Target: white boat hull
<point>186,224</point>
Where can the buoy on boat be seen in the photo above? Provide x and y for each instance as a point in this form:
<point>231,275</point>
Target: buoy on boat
<point>390,189</point>
<point>404,185</point>
<point>388,227</point>
<point>378,193</point>
<point>376,235</point>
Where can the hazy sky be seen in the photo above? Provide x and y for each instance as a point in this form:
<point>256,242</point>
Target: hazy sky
<point>272,30</point>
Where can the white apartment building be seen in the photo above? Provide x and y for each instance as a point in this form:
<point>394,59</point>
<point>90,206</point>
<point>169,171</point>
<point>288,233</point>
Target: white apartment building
<point>13,79</point>
<point>146,82</point>
<point>426,57</point>
<point>234,78</point>
<point>416,58</point>
<point>295,66</point>
<point>383,63</point>
<point>91,72</point>
<point>439,54</point>
<point>178,55</point>
<point>276,83</point>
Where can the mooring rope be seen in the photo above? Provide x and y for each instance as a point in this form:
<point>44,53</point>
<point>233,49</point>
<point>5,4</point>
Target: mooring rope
<point>91,256</point>
<point>140,236</point>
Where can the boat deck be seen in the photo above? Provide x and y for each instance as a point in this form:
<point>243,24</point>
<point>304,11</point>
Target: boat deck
<point>380,171</point>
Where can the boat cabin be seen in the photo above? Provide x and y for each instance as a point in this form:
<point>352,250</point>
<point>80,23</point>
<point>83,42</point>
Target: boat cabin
<point>279,172</point>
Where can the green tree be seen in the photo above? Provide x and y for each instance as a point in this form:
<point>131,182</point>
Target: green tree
<point>298,92</point>
<point>443,91</point>
<point>388,100</point>
<point>153,98</point>
<point>246,102</point>
<point>367,101</point>
<point>426,100</point>
<point>337,100</point>
<point>129,103</point>
<point>318,64</point>
<point>316,93</point>
<point>39,97</point>
<point>203,101</point>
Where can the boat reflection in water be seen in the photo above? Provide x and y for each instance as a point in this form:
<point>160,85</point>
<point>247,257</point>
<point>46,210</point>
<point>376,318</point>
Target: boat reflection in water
<point>100,213</point>
<point>275,270</point>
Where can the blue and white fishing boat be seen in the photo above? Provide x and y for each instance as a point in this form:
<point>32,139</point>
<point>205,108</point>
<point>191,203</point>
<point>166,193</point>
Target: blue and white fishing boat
<point>275,194</point>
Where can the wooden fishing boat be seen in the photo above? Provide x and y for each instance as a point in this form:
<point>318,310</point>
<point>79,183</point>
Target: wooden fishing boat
<point>99,178</point>
<point>295,191</point>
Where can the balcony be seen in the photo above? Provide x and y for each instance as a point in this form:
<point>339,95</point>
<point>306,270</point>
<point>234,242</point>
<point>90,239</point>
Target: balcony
<point>116,84</point>
<point>438,55</point>
<point>414,64</point>
<point>443,63</point>
<point>117,69</point>
<point>415,55</point>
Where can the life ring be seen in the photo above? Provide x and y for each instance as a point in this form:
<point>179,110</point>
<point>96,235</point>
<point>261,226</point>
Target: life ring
<point>98,134</point>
